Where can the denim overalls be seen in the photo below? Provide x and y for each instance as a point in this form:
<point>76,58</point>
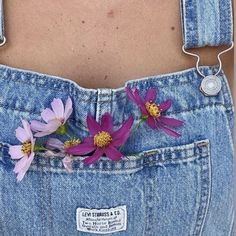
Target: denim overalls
<point>165,187</point>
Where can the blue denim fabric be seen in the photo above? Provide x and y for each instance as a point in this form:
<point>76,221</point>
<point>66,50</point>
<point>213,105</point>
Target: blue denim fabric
<point>206,22</point>
<point>169,186</point>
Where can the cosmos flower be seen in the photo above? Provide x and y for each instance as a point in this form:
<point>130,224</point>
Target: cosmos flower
<point>56,144</point>
<point>55,118</point>
<point>103,139</point>
<point>24,152</point>
<point>152,112</point>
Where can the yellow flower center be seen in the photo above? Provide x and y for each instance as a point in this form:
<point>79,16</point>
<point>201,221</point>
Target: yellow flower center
<point>102,139</point>
<point>26,147</point>
<point>153,109</point>
<point>71,142</point>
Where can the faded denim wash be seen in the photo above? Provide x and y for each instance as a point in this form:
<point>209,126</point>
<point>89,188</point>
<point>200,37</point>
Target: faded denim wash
<point>169,186</point>
<point>206,22</point>
<point>163,187</point>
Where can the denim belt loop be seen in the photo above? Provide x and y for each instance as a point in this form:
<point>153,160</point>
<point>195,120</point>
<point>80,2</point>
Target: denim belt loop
<point>206,23</point>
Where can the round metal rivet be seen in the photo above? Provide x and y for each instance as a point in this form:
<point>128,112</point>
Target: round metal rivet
<point>211,85</point>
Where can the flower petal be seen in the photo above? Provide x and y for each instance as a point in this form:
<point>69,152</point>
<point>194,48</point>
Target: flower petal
<point>32,144</point>
<point>53,125</point>
<point>37,125</point>
<point>68,109</point>
<point>170,121</point>
<point>46,129</point>
<point>151,122</point>
<point>50,153</point>
<point>140,102</point>
<point>21,134</point>
<point>15,152</point>
<point>121,135</point>
<point>138,98</point>
<point>112,153</point>
<point>20,164</point>
<point>27,128</point>
<point>58,107</point>
<point>80,149</point>
<point>42,134</point>
<point>54,143</point>
<point>97,154</point>
<point>24,167</point>
<point>169,131</point>
<point>106,122</point>
<point>93,125</point>
<point>135,97</point>
<point>165,105</point>
<point>151,95</point>
<point>47,115</point>
<point>130,94</point>
<point>67,162</point>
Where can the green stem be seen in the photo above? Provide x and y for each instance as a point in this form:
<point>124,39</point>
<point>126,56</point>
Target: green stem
<point>38,148</point>
<point>143,118</point>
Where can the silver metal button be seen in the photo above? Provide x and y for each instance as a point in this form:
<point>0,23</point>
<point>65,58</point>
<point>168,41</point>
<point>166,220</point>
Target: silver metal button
<point>211,85</point>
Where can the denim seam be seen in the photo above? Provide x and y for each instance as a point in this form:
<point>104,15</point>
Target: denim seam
<point>147,153</point>
<point>71,87</point>
<point>117,97</point>
<point>149,209</point>
<point>49,193</point>
<point>229,23</point>
<point>232,224</point>
<point>137,168</point>
<point>119,123</point>
<point>41,200</point>
<point>205,194</point>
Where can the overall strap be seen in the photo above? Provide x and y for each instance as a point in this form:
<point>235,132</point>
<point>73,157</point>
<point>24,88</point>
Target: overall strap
<point>2,33</point>
<point>206,23</point>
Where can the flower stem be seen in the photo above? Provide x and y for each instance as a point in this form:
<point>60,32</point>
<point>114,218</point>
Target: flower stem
<point>143,118</point>
<point>137,126</point>
<point>38,148</point>
<point>62,129</point>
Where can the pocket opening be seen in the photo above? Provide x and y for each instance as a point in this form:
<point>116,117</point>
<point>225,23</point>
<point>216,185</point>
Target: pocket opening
<point>129,163</point>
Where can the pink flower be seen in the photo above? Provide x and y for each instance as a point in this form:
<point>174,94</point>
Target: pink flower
<point>56,144</point>
<point>103,139</point>
<point>153,112</point>
<point>55,118</point>
<point>24,152</point>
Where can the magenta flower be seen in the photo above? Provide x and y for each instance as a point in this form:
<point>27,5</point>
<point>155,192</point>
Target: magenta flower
<point>153,112</point>
<point>24,152</point>
<point>103,139</point>
<point>56,144</point>
<point>55,118</point>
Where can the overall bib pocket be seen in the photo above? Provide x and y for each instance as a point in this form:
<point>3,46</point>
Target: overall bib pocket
<point>165,191</point>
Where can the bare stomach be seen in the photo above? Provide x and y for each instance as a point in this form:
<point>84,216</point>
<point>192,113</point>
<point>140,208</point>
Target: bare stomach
<point>99,44</point>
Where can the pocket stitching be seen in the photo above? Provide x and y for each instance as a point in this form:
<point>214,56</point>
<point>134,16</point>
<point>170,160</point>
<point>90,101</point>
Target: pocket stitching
<point>205,194</point>
<point>129,165</point>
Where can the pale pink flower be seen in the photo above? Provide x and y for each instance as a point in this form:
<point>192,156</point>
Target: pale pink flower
<point>54,118</point>
<point>25,151</point>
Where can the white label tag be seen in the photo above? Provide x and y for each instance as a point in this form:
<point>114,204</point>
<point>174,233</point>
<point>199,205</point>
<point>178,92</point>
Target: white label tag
<point>101,221</point>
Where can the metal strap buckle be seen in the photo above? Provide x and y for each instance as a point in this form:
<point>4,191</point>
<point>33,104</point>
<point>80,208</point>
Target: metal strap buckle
<point>211,84</point>
<point>3,42</point>
<point>198,58</point>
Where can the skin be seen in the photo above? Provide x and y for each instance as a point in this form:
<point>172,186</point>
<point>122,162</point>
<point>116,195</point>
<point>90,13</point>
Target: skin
<point>100,45</point>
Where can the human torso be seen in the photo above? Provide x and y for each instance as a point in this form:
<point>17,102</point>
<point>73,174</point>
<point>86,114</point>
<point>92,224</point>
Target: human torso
<point>99,44</point>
